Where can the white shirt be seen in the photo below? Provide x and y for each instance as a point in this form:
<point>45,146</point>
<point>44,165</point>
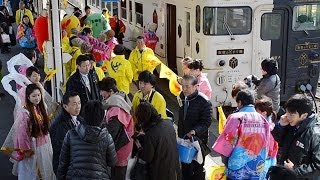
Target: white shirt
<point>74,121</point>
<point>85,78</point>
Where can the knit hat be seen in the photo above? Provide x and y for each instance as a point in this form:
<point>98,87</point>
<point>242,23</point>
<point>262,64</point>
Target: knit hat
<point>86,48</point>
<point>270,66</point>
<point>119,49</point>
<point>75,41</point>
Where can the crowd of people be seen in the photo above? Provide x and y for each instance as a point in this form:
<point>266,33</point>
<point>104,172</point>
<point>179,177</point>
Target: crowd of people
<point>99,128</point>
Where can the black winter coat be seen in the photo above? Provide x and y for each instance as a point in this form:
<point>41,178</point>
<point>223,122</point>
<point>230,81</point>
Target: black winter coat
<point>76,84</point>
<point>302,146</point>
<point>87,153</point>
<point>58,130</point>
<point>160,152</point>
<point>198,117</point>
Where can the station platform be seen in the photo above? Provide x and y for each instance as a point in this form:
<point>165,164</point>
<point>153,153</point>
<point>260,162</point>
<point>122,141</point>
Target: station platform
<point>7,105</point>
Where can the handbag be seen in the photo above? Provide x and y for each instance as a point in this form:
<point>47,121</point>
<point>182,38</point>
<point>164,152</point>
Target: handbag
<point>204,147</point>
<point>139,170</point>
<point>5,38</point>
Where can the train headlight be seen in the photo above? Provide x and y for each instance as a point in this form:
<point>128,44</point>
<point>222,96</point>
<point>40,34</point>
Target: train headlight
<point>221,63</point>
<point>313,55</point>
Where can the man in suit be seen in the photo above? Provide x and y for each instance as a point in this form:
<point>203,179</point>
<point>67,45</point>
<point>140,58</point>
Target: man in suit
<point>84,81</point>
<point>68,119</point>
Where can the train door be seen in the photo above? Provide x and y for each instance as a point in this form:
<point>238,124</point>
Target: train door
<point>186,32</point>
<point>271,37</point>
<point>171,37</point>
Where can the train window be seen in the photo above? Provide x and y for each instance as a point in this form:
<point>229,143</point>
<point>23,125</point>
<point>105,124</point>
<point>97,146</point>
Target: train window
<point>227,20</point>
<point>188,32</point>
<point>130,11</point>
<point>139,14</point>
<point>198,18</point>
<point>114,8</point>
<point>124,9</point>
<point>103,5</point>
<point>270,26</point>
<point>306,17</point>
<point>108,6</point>
<point>97,3</point>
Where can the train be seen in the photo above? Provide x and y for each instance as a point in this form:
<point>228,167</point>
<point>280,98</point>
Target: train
<point>232,37</point>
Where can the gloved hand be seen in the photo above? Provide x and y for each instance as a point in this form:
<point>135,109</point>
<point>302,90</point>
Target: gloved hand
<point>251,79</point>
<point>255,80</point>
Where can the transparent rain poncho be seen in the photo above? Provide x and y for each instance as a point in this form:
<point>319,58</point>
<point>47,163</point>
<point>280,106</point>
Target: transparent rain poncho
<point>19,140</point>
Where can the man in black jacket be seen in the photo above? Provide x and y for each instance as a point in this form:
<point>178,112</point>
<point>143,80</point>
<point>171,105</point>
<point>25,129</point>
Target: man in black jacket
<point>298,134</point>
<point>68,119</point>
<point>84,81</point>
<point>88,150</point>
<point>195,116</point>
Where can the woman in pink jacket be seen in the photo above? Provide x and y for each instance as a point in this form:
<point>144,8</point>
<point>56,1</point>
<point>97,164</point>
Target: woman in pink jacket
<point>119,124</point>
<point>195,69</point>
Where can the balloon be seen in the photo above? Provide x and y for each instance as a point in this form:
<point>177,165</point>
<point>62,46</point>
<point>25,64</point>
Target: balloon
<point>98,23</point>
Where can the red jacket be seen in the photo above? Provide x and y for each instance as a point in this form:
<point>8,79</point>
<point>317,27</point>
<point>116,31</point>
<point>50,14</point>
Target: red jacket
<point>113,24</point>
<point>41,31</point>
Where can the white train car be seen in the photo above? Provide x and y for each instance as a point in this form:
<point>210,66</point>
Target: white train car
<point>232,37</point>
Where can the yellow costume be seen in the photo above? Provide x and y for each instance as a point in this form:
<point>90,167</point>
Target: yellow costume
<point>143,61</point>
<point>26,12</point>
<point>158,102</point>
<point>70,22</point>
<point>120,69</point>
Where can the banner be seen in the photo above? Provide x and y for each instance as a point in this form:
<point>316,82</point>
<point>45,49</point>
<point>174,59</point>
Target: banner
<point>174,86</point>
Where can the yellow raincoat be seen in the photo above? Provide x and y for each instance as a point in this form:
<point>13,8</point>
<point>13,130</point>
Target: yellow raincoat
<point>71,65</point>
<point>99,72</point>
<point>158,102</point>
<point>143,61</point>
<point>26,12</point>
<point>120,69</point>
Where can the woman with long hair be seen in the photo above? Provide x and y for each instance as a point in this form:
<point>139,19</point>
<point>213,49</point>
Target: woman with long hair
<point>25,33</point>
<point>28,143</point>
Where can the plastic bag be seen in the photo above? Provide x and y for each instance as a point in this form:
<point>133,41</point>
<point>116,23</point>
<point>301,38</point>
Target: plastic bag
<point>217,173</point>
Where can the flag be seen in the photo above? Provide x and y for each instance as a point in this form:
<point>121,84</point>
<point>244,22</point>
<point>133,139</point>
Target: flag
<point>174,86</point>
<point>222,119</point>
<point>151,62</point>
<point>166,72</point>
<point>50,74</point>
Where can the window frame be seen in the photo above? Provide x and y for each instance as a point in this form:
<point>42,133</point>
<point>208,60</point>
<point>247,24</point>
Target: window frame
<point>281,28</point>
<point>123,9</point>
<point>294,19</point>
<point>198,19</point>
<point>231,7</point>
<point>130,15</point>
<point>138,13</point>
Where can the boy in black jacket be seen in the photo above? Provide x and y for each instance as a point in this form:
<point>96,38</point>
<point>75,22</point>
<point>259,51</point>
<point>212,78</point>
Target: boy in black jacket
<point>298,134</point>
